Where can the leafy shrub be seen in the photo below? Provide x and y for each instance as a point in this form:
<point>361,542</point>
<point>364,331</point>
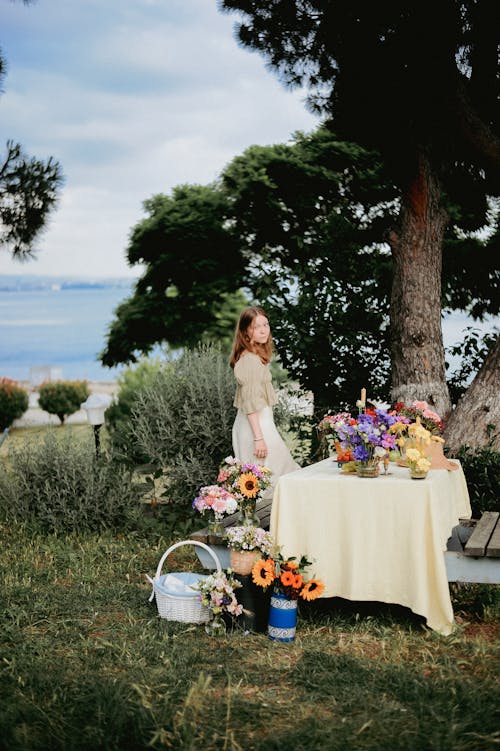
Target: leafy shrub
<point>13,402</point>
<point>183,421</point>
<point>482,472</point>
<point>118,414</point>
<point>62,398</point>
<point>57,483</point>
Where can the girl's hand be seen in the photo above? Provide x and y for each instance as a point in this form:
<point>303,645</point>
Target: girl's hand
<point>260,449</point>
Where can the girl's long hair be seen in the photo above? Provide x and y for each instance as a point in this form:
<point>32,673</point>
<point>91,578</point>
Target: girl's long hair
<point>242,341</point>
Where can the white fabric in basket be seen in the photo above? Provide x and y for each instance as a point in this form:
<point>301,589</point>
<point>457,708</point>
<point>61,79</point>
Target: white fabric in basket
<point>174,584</point>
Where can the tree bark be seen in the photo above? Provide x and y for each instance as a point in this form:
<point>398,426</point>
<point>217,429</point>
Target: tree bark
<point>418,364</point>
<point>478,408</point>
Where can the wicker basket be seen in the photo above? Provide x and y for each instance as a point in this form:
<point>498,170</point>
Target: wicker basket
<point>241,561</point>
<point>185,607</point>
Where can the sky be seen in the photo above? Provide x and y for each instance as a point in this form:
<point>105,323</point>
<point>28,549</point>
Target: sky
<point>132,97</point>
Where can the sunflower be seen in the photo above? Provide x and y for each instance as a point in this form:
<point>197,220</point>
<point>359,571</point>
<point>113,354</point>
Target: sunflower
<point>312,589</point>
<point>248,485</point>
<point>287,578</point>
<point>263,572</point>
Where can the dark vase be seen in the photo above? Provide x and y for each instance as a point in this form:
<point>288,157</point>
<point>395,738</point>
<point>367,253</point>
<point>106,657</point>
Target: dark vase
<point>255,603</point>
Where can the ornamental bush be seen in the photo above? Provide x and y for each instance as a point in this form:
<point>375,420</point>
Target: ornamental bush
<point>62,398</point>
<point>57,483</point>
<point>13,402</point>
<point>118,415</point>
<point>183,421</point>
<point>481,467</point>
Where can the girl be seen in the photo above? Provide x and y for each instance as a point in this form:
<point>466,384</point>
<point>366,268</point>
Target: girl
<point>254,433</point>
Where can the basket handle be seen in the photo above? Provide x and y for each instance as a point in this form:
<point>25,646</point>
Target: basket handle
<point>187,542</point>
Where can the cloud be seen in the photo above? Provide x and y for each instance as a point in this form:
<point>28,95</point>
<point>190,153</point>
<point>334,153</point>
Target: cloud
<point>132,98</point>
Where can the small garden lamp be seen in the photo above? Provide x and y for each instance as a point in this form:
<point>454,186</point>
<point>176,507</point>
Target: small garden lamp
<point>95,407</point>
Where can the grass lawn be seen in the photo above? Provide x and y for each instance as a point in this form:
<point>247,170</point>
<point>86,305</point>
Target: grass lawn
<point>87,664</point>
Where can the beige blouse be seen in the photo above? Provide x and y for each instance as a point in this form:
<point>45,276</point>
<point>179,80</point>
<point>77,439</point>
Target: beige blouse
<point>254,390</point>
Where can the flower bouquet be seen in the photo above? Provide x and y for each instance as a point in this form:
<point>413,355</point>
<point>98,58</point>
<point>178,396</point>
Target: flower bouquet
<point>369,437</point>
<point>246,482</point>
<point>428,418</point>
<point>217,593</point>
<point>416,456</point>
<point>286,578</point>
<point>246,544</point>
<point>327,427</point>
<point>286,575</point>
<point>215,502</point>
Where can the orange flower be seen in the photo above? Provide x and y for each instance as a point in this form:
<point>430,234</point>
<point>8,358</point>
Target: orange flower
<point>287,578</point>
<point>298,581</point>
<point>263,572</point>
<point>248,485</point>
<point>290,565</point>
<point>312,589</point>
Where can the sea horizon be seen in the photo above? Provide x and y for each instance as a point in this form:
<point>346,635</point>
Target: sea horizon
<point>59,323</point>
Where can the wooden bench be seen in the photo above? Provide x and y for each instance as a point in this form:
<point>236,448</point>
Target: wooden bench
<point>263,511</point>
<point>473,550</point>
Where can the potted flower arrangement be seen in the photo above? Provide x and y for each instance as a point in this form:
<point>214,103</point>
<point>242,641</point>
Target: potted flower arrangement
<point>218,594</point>
<point>286,578</point>
<point>369,437</point>
<point>215,502</point>
<point>246,482</point>
<point>246,544</point>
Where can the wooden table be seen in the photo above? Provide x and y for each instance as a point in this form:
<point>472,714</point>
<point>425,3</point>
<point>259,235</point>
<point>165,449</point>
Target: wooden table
<point>379,539</point>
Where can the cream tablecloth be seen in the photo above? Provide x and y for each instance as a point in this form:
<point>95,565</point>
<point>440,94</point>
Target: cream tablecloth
<point>378,539</point>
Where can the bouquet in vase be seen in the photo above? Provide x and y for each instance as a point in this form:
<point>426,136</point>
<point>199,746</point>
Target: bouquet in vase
<point>286,576</point>
<point>214,502</point>
<point>246,482</point>
<point>368,436</point>
<point>246,544</point>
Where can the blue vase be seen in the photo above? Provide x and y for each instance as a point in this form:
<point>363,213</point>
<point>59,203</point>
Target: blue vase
<point>282,618</point>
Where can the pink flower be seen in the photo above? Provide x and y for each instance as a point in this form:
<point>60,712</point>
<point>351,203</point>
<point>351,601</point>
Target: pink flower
<point>420,405</point>
<point>219,504</point>
<point>431,415</point>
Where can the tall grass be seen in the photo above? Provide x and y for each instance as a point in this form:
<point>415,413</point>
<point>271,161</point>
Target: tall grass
<point>87,664</point>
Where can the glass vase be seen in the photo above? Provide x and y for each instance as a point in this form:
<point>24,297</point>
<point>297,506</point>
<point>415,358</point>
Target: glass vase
<point>215,529</point>
<point>215,626</point>
<point>418,474</point>
<point>367,469</point>
<point>247,516</point>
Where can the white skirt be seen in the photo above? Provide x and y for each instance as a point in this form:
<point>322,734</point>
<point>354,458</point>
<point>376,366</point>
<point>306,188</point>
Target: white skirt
<point>278,459</point>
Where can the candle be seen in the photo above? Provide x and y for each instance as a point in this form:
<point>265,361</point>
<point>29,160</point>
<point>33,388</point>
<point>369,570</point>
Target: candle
<point>363,396</point>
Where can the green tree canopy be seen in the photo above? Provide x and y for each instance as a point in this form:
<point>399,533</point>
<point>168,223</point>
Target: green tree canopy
<point>419,82</point>
<point>193,265</point>
<point>308,221</point>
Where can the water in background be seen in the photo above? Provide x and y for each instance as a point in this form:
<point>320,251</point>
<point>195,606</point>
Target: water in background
<point>57,328</point>
<point>65,329</point>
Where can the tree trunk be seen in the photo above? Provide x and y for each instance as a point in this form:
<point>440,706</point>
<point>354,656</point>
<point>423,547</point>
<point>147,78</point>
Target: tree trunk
<point>418,365</point>
<point>478,408</point>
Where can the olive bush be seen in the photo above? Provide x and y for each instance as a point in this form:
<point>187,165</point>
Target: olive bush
<point>183,418</point>
<point>57,483</point>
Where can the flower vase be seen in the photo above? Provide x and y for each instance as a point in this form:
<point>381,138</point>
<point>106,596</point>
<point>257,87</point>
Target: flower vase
<point>367,469</point>
<point>248,516</point>
<point>216,626</point>
<point>241,561</point>
<point>418,474</point>
<point>215,529</point>
<point>282,618</point>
